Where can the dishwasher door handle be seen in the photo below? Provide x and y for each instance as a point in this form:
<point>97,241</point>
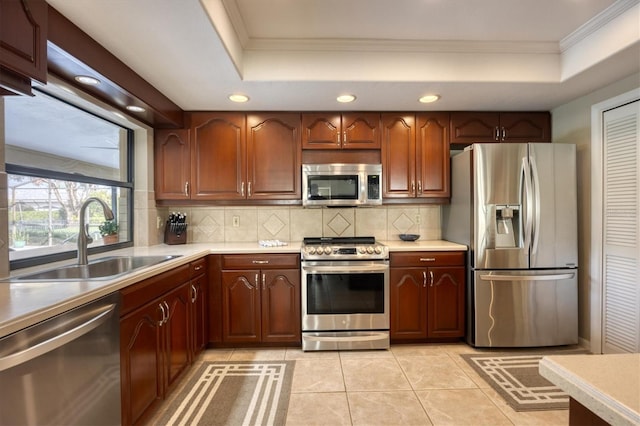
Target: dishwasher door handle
<point>55,342</point>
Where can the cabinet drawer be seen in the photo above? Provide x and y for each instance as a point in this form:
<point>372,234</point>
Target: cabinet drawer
<point>427,258</point>
<point>141,293</point>
<point>198,267</point>
<point>260,261</point>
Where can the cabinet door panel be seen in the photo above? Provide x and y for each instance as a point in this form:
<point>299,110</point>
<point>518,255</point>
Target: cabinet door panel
<point>141,361</point>
<point>321,131</point>
<point>281,305</point>
<point>525,127</point>
<point>408,303</point>
<point>218,156</point>
<point>471,127</point>
<point>432,155</point>
<point>361,131</point>
<point>199,314</point>
<point>446,302</point>
<point>240,306</point>
<point>274,156</point>
<point>172,164</point>
<point>176,333</point>
<point>23,37</point>
<point>398,156</point>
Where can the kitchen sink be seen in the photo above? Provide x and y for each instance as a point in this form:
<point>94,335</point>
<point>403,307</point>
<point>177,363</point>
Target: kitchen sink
<point>102,268</point>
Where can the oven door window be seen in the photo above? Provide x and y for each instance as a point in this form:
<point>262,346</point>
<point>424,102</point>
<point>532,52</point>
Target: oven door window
<point>341,187</point>
<point>345,293</point>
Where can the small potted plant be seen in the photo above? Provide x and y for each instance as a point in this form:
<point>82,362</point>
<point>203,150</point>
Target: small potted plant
<point>109,231</point>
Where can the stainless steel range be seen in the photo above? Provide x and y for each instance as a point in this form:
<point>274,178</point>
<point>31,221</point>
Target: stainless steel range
<point>345,294</point>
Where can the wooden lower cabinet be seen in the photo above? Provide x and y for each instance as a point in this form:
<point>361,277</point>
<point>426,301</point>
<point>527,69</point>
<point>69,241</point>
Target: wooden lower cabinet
<point>426,295</point>
<point>161,319</point>
<point>260,305</point>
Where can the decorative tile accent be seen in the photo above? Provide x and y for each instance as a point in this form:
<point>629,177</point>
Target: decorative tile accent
<point>403,223</point>
<point>338,224</point>
<point>273,224</point>
<point>206,225</point>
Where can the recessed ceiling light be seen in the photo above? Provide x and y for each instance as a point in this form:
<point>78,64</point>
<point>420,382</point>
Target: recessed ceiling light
<point>238,98</point>
<point>429,98</point>
<point>346,98</point>
<point>88,80</point>
<point>134,108</point>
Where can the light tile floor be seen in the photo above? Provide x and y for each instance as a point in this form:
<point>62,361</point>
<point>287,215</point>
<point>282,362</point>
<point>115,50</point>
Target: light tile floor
<point>407,385</point>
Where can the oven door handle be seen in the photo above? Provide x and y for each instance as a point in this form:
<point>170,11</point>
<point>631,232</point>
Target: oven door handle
<point>345,269</point>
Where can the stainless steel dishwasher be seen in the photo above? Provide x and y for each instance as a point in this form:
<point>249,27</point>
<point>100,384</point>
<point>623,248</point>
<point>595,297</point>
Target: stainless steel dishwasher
<point>65,370</point>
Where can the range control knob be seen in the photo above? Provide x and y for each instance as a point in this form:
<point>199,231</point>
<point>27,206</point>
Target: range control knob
<point>310,250</point>
<point>378,249</point>
<point>370,250</point>
<point>327,250</point>
<point>361,250</point>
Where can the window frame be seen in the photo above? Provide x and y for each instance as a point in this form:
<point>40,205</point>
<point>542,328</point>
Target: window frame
<point>43,173</point>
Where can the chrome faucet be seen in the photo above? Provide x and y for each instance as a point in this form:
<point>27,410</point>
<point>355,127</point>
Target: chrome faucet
<point>84,239</point>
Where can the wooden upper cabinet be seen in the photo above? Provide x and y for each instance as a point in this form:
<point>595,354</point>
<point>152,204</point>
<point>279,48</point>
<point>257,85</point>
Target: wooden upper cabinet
<point>23,38</point>
<point>218,156</point>
<point>472,127</point>
<point>525,127</point>
<point>432,154</point>
<point>274,156</point>
<point>172,164</point>
<point>415,155</point>
<point>341,131</point>
<point>398,155</point>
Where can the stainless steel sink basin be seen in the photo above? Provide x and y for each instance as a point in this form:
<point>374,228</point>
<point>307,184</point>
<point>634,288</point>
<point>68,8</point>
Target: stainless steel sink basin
<point>103,268</point>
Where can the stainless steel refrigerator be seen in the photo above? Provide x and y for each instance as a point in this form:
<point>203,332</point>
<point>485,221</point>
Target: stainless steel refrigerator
<point>514,206</point>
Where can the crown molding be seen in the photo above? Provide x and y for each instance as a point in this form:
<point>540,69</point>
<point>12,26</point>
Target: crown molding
<point>403,46</point>
<point>594,24</point>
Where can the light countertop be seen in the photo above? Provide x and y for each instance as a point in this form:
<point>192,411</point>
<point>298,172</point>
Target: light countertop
<point>608,385</point>
<point>25,303</point>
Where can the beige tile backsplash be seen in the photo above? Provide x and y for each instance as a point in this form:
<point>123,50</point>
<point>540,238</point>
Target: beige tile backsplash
<point>248,224</point>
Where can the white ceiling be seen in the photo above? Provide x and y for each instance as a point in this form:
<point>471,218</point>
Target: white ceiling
<point>301,54</point>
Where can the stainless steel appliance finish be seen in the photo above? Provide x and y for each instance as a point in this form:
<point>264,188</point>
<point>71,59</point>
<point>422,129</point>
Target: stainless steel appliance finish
<point>335,185</point>
<point>345,294</point>
<point>65,370</point>
<point>515,206</point>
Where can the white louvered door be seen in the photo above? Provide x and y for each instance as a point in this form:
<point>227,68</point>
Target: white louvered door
<point>621,230</point>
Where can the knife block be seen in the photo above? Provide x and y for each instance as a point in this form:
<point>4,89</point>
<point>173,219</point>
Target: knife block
<point>175,235</point>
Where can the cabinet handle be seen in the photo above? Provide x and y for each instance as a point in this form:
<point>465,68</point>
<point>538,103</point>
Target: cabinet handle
<point>431,277</point>
<point>424,278</point>
<point>186,189</point>
<point>194,294</point>
<point>168,312</point>
<point>344,137</point>
<point>338,138</point>
<point>264,281</point>
<point>260,262</point>
<point>497,137</point>
<point>427,259</point>
<point>257,280</point>
<point>164,315</point>
<point>197,268</point>
<point>504,133</point>
<point>419,186</point>
<point>413,186</point>
<point>242,189</point>
<point>249,189</point>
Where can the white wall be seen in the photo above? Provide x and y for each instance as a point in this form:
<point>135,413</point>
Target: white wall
<point>571,123</point>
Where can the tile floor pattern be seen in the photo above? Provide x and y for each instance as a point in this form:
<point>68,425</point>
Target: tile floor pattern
<point>407,385</point>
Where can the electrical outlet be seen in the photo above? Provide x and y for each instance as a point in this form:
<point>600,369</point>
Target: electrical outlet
<point>418,220</point>
<point>236,221</point>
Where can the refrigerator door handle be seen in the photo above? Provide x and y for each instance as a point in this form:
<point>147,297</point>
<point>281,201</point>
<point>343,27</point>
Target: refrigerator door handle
<point>535,206</point>
<point>527,196</point>
<point>549,277</point>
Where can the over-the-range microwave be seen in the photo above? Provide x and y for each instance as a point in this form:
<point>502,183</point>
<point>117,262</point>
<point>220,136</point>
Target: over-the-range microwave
<point>337,185</point>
